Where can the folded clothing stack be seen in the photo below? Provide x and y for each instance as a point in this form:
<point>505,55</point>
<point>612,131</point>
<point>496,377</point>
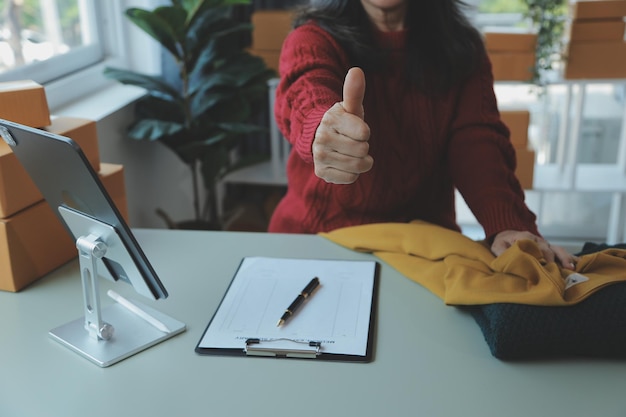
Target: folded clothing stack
<point>526,307</point>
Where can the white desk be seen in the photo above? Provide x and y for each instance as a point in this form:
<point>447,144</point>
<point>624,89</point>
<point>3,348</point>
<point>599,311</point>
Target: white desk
<point>430,360</point>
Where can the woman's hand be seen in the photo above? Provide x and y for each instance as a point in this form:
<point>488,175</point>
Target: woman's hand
<point>507,238</point>
<point>340,147</point>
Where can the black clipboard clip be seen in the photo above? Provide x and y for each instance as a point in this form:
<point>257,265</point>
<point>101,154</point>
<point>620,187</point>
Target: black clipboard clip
<point>267,347</point>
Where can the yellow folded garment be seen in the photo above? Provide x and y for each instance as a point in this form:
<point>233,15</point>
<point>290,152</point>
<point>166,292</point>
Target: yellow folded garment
<point>462,271</point>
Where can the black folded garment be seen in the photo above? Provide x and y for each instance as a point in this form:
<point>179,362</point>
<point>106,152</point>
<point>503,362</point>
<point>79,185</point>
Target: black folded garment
<point>590,247</point>
<point>595,327</point>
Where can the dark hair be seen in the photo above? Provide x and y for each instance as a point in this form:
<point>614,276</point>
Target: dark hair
<point>443,48</point>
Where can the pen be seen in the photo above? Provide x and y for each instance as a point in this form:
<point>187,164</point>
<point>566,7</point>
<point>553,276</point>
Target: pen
<point>138,311</point>
<point>304,294</point>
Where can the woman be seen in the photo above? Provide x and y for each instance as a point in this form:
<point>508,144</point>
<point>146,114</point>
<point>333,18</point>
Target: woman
<point>414,118</point>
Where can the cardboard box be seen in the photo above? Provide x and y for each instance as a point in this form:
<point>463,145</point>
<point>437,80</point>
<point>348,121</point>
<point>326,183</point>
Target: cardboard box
<point>112,177</point>
<point>270,28</point>
<point>596,60</point>
<point>525,167</point>
<point>81,131</point>
<point>33,242</point>
<point>510,41</point>
<point>17,190</point>
<point>512,66</point>
<point>598,9</point>
<point>517,121</point>
<point>597,30</point>
<point>24,102</point>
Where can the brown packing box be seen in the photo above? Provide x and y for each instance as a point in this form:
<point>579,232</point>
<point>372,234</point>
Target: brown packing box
<point>270,28</point>
<point>17,191</point>
<point>512,66</point>
<point>597,30</point>
<point>598,9</point>
<point>81,131</point>
<point>596,60</point>
<point>112,177</point>
<point>24,102</point>
<point>517,121</point>
<point>510,41</point>
<point>525,167</point>
<point>33,242</point>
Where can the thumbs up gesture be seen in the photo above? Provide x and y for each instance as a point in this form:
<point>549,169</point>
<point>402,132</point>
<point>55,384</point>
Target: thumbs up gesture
<point>340,147</point>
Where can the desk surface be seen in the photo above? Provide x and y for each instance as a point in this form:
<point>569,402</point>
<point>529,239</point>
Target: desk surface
<point>430,360</point>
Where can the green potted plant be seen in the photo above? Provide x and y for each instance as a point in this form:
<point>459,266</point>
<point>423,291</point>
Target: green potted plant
<point>548,18</point>
<point>203,115</point>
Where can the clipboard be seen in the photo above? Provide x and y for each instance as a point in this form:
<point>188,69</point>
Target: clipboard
<point>335,323</point>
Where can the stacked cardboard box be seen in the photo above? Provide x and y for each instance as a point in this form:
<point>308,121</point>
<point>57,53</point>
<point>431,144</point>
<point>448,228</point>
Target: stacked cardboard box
<point>33,241</point>
<point>24,102</point>
<point>518,121</point>
<point>597,48</point>
<point>512,54</point>
<point>270,28</point>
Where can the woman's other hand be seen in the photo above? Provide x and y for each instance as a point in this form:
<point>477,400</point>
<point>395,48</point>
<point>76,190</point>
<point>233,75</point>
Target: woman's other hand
<point>551,253</point>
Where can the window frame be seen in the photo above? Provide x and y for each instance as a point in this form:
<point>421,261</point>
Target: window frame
<point>120,45</point>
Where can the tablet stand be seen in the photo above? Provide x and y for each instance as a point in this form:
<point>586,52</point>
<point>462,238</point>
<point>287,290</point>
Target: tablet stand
<point>106,336</point>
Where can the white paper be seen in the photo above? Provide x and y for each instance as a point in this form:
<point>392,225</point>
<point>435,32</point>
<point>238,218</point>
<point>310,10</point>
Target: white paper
<point>337,314</point>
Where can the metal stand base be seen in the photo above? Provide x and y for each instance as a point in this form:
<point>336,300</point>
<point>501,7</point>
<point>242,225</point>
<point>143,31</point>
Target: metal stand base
<point>106,336</point>
<point>132,335</point>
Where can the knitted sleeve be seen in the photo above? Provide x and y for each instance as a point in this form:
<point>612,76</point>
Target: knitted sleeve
<point>312,69</point>
<point>482,159</point>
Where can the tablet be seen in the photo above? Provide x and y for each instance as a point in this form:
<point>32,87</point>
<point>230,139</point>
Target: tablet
<point>60,170</point>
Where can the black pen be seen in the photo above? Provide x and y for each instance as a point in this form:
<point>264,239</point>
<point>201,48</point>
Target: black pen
<point>306,292</point>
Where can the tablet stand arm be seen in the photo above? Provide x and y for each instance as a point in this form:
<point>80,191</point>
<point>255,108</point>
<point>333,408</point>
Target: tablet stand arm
<point>90,249</point>
<point>94,240</point>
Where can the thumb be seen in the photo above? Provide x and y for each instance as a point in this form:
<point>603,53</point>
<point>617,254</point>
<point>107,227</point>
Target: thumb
<point>354,91</point>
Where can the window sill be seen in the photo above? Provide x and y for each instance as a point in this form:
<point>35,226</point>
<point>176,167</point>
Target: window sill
<point>102,103</point>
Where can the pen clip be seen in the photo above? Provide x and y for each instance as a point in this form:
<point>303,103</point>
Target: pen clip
<point>300,349</point>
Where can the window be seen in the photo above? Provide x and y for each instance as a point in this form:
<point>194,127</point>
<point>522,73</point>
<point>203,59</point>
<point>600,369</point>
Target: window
<point>43,40</point>
<point>578,134</point>
<point>508,13</point>
<point>65,44</point>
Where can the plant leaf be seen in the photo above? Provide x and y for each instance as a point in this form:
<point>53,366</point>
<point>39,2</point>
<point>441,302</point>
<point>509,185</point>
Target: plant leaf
<point>224,44</point>
<point>176,18</point>
<point>153,129</point>
<point>165,24</point>
<point>202,84</point>
<point>151,107</point>
<point>155,85</point>
<point>198,148</point>
<point>242,128</point>
<point>244,67</point>
<point>203,25</point>
<point>205,100</point>
<point>212,4</point>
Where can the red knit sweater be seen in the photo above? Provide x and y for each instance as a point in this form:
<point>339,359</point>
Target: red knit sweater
<point>423,147</point>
